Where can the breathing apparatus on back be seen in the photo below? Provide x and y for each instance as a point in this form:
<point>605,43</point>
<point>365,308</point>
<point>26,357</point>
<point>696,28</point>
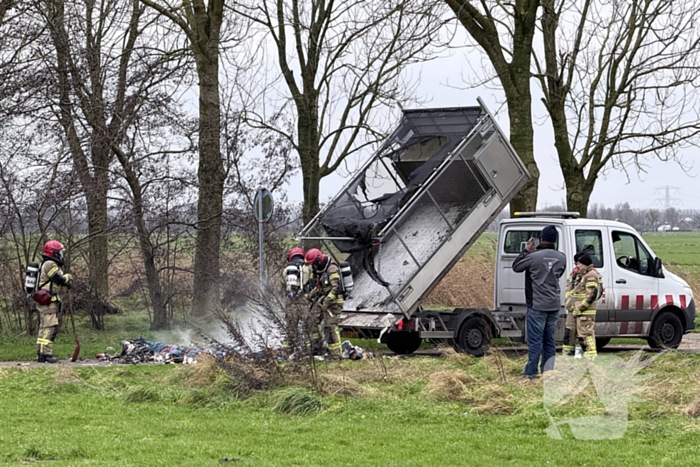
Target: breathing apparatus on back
<point>294,273</point>
<point>53,251</point>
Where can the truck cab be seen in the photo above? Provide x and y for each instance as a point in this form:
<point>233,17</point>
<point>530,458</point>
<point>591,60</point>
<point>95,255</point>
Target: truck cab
<point>641,298</point>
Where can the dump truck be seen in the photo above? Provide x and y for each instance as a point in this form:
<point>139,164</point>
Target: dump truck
<point>419,203</point>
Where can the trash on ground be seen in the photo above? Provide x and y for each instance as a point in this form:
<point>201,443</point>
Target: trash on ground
<point>140,350</point>
<point>352,352</point>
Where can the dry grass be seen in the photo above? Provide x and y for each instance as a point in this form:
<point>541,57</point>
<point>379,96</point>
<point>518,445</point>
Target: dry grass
<point>493,399</point>
<point>345,384</point>
<point>452,356</point>
<point>128,269</point>
<point>483,397</point>
<point>469,284</point>
<point>693,410</point>
<point>450,385</point>
<point>204,373</point>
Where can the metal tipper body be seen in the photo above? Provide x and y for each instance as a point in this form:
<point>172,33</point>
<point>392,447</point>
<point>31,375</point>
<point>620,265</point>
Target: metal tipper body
<point>415,207</point>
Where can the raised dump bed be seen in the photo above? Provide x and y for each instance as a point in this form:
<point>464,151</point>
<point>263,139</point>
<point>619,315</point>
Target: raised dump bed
<point>415,207</point>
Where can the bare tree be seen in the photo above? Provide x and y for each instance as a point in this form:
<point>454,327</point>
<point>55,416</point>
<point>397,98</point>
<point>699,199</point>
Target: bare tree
<point>619,82</point>
<point>82,95</point>
<point>505,32</point>
<point>653,216</point>
<point>339,62</point>
<point>202,25</point>
<point>102,72</point>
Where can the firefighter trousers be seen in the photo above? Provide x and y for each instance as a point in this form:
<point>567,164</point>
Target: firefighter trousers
<point>44,342</point>
<point>583,328</point>
<point>328,320</point>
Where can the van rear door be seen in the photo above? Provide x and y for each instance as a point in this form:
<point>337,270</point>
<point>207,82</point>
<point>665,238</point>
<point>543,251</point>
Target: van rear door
<point>510,286</point>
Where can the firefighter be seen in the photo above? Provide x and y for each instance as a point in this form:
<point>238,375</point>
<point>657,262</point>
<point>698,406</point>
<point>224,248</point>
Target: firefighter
<point>569,347</point>
<point>294,278</point>
<point>51,279</point>
<point>586,289</point>
<point>329,294</point>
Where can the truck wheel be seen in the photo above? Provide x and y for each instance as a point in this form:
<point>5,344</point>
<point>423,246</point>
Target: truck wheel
<point>402,342</point>
<point>601,342</point>
<point>666,332</point>
<point>474,337</point>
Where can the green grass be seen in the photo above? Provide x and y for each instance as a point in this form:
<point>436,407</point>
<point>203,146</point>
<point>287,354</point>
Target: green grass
<point>680,253</point>
<point>682,248</point>
<point>127,416</point>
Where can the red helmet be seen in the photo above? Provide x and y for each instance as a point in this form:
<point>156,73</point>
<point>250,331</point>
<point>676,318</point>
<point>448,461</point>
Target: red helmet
<point>53,249</point>
<point>294,252</point>
<point>314,256</point>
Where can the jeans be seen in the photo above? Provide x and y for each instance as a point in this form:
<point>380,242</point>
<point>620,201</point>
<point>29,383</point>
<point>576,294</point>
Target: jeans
<point>540,340</point>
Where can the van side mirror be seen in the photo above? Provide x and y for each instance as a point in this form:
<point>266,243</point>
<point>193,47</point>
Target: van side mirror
<point>658,268</point>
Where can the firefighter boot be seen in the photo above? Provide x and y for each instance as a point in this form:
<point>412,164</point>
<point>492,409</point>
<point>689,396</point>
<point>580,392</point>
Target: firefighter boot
<point>41,358</point>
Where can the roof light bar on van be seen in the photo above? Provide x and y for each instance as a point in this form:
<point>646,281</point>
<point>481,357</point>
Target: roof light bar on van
<point>562,215</point>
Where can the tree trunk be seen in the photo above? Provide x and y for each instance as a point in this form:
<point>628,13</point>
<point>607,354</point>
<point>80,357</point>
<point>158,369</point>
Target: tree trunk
<point>211,176</point>
<point>578,191</point>
<point>521,137</point>
<point>307,128</point>
<point>98,257</point>
<point>155,292</point>
<point>160,316</point>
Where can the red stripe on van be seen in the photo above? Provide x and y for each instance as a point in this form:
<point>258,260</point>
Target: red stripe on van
<point>625,305</point>
<point>669,299</point>
<point>683,304</point>
<point>623,327</point>
<point>639,327</point>
<point>654,302</point>
<point>640,302</point>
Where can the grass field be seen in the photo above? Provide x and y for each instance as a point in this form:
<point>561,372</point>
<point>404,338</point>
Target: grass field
<point>680,253</point>
<point>453,411</point>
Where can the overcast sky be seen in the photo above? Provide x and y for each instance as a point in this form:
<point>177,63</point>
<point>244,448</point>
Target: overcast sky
<point>438,82</point>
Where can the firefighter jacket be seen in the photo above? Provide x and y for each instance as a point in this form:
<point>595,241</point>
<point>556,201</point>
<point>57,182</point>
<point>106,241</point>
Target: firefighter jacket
<point>51,278</point>
<point>584,290</point>
<point>569,289</point>
<point>330,285</point>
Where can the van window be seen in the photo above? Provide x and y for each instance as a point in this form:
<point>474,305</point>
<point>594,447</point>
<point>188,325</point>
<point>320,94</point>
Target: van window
<point>630,254</point>
<point>517,239</point>
<point>591,242</point>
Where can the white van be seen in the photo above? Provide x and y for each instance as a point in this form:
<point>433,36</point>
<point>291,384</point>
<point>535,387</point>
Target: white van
<point>641,299</point>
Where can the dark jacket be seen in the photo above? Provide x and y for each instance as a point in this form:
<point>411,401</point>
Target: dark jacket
<point>543,268</point>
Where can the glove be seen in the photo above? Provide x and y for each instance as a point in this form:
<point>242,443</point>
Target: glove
<point>577,312</point>
<point>68,277</point>
<point>570,308</point>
